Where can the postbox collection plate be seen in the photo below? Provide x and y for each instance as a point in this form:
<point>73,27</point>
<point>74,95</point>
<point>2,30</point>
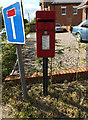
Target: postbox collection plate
<point>45,42</point>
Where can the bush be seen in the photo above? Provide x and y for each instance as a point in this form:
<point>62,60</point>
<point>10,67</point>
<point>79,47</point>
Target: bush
<point>27,30</point>
<point>33,21</point>
<point>70,28</point>
<point>27,26</point>
<point>3,37</point>
<point>8,59</point>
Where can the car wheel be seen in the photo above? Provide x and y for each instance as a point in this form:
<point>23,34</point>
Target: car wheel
<point>78,37</point>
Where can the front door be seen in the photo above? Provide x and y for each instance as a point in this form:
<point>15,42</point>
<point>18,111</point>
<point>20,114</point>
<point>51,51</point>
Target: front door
<point>86,13</point>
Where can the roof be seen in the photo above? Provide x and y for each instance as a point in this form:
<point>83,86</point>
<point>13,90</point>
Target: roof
<point>66,1</point>
<point>83,4</point>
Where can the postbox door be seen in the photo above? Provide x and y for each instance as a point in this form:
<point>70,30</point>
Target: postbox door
<point>45,44</point>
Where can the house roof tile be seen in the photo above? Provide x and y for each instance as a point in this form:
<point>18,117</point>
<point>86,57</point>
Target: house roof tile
<point>66,1</point>
<point>82,4</point>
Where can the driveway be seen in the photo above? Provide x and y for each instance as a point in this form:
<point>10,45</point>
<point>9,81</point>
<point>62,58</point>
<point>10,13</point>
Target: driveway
<point>69,53</point>
<point>74,53</point>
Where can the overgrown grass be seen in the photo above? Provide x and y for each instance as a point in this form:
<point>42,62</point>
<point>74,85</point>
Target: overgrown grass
<point>63,100</point>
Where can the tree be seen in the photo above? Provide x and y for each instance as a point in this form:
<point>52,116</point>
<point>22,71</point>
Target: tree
<point>33,21</point>
<point>25,21</point>
<point>1,19</point>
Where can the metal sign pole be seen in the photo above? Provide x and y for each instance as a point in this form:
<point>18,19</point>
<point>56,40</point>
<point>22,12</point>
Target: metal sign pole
<point>21,69</point>
<point>45,73</point>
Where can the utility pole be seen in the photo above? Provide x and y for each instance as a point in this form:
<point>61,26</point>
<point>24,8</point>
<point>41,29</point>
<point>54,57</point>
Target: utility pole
<point>29,17</point>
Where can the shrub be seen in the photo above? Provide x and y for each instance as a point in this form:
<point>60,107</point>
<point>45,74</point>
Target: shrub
<point>27,30</point>
<point>70,28</point>
<point>8,59</point>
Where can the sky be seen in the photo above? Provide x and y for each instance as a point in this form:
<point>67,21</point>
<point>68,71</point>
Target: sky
<point>29,7</point>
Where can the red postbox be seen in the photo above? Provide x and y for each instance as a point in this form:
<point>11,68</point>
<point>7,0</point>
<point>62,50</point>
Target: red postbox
<point>45,33</point>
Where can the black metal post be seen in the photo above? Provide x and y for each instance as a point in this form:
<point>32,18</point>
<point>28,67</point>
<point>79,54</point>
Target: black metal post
<point>22,72</point>
<point>45,74</point>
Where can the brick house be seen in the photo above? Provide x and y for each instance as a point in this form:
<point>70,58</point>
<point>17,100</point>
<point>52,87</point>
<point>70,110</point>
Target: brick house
<point>84,7</point>
<point>66,11</point>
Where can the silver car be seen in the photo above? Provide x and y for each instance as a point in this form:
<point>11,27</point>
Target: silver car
<point>81,31</point>
<point>58,28</point>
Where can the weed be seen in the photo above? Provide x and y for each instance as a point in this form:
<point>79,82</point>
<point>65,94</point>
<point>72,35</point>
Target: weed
<point>17,115</point>
<point>59,51</point>
<point>76,113</point>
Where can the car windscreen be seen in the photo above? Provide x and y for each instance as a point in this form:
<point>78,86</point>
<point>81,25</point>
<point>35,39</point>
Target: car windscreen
<point>58,25</point>
<point>84,22</point>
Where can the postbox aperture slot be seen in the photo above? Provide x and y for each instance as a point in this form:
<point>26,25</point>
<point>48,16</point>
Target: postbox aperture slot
<point>45,20</point>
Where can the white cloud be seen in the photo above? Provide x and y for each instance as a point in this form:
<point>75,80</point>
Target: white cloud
<point>5,3</point>
<point>31,9</point>
<point>29,6</point>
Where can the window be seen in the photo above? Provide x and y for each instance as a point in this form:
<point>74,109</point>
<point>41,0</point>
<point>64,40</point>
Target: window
<point>63,10</point>
<point>85,25</point>
<point>75,11</point>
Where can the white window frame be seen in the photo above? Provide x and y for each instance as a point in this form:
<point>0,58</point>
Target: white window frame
<point>73,10</point>
<point>65,10</point>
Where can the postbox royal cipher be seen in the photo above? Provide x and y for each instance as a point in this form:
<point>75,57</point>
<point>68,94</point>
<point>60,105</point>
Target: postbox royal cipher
<point>45,33</point>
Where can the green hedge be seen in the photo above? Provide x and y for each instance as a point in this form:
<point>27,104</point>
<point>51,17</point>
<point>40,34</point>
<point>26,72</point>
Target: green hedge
<point>27,30</point>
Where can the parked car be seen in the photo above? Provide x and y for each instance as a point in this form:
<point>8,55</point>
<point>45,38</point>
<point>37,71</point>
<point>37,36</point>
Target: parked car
<point>80,32</point>
<point>3,31</point>
<point>58,28</point>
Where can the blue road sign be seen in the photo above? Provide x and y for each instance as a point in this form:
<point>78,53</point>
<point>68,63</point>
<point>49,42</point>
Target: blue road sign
<point>14,23</point>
